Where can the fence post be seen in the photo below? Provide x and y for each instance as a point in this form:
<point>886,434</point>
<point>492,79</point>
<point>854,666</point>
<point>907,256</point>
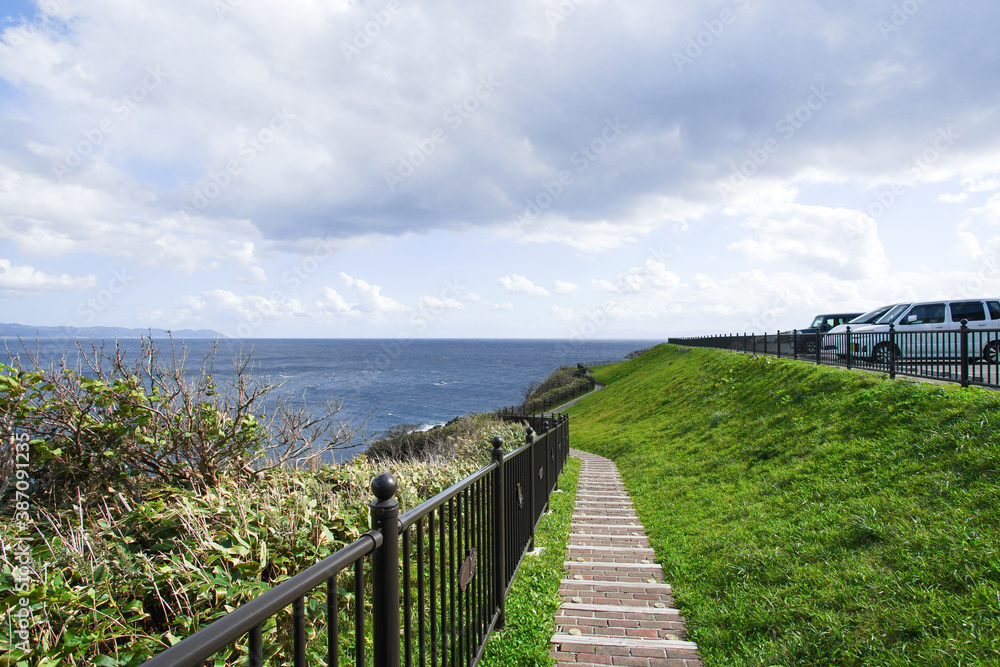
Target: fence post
<point>529,439</point>
<point>819,341</point>
<point>965,353</point>
<point>795,343</point>
<point>753,336</point>
<point>385,573</point>
<point>499,540</point>
<point>777,341</point>
<point>892,350</point>
<point>848,348</point>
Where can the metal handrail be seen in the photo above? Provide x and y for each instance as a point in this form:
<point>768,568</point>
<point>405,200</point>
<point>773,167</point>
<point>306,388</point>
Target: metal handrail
<point>241,621</point>
<point>410,517</point>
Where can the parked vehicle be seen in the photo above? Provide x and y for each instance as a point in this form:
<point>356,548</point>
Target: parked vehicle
<point>821,324</point>
<point>924,330</point>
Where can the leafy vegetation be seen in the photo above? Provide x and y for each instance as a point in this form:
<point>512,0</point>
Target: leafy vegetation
<point>150,503</point>
<point>809,515</point>
<point>533,599</point>
<point>458,439</point>
<point>561,385</point>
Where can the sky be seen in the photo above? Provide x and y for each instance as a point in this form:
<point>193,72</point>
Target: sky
<point>519,168</point>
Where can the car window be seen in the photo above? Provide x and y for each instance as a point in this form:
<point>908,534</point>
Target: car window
<point>967,310</point>
<point>892,313</point>
<point>928,313</point>
<point>871,315</point>
<point>817,321</point>
<point>994,307</point>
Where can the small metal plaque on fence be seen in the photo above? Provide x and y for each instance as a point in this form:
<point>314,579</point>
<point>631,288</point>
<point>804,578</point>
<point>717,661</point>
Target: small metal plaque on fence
<point>468,570</point>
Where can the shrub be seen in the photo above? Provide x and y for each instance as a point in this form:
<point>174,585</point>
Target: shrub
<point>123,424</point>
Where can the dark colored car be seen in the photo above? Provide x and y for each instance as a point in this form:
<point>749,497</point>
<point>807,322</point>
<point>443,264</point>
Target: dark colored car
<point>821,323</point>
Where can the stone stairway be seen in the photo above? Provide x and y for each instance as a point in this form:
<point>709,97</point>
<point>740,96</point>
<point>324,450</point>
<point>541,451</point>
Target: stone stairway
<point>616,609</point>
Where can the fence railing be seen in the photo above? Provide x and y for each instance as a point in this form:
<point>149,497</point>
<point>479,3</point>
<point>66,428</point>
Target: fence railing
<point>425,587</point>
<point>969,355</point>
<point>586,385</point>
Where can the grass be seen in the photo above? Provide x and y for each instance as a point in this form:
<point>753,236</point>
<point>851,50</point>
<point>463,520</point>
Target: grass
<point>808,515</point>
<point>534,595</point>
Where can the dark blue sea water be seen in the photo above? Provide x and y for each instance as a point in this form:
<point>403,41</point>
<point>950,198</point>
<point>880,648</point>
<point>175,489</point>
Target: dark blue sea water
<point>420,382</point>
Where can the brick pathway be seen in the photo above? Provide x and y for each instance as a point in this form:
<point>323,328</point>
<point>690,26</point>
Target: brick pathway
<point>616,609</point>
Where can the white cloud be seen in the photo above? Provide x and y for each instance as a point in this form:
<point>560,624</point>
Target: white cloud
<point>332,302</point>
<point>516,284</point>
<point>563,287</point>
<point>838,241</point>
<point>653,275</point>
<point>26,280</point>
<point>370,297</point>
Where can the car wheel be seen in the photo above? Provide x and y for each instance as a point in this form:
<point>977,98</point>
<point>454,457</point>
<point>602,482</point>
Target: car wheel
<point>991,353</point>
<point>809,347</point>
<point>884,353</point>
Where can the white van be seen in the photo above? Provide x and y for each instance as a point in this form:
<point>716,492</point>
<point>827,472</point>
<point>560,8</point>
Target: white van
<point>925,330</point>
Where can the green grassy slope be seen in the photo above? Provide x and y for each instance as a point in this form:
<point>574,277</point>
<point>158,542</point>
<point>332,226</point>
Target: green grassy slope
<point>809,515</point>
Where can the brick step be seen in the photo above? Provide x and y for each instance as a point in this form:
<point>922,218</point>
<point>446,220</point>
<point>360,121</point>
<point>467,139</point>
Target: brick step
<point>633,518</point>
<point>661,628</point>
<point>655,651</point>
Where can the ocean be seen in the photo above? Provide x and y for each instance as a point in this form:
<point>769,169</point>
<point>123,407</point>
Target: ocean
<point>422,382</point>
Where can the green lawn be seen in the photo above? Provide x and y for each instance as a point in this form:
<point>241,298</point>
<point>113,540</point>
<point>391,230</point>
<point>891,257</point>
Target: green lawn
<point>809,515</point>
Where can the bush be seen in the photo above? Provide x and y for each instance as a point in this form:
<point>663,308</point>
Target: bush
<point>115,423</point>
<point>467,437</point>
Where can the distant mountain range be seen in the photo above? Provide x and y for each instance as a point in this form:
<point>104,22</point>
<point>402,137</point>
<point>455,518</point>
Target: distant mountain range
<point>30,331</point>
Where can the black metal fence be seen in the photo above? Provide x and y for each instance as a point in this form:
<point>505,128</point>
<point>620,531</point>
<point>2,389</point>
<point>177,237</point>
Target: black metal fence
<point>425,587</point>
<point>970,356</point>
<point>586,385</point>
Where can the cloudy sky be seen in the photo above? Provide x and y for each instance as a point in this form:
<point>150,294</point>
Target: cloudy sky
<point>518,168</point>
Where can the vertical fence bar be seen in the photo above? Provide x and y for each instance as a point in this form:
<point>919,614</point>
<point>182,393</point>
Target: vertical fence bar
<point>499,544</point>
<point>407,603</point>
<point>421,596</point>
<point>432,573</point>
<point>795,343</point>
<point>965,352</point>
<point>385,572</point>
<point>255,649</point>
<point>529,439</point>
<point>332,624</point>
<point>848,348</point>
<point>359,613</point>
<point>892,351</point>
<point>299,631</point>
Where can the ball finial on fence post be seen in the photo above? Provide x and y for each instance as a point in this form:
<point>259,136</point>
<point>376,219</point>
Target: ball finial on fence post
<point>384,486</point>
